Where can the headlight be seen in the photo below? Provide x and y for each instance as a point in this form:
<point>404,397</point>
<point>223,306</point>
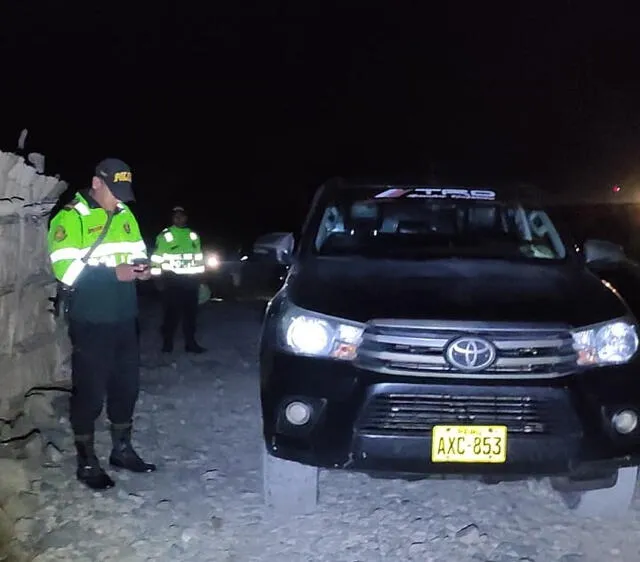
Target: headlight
<point>213,261</point>
<point>308,333</point>
<point>611,343</point>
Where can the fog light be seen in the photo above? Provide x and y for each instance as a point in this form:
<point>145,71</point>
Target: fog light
<point>625,421</point>
<point>298,413</point>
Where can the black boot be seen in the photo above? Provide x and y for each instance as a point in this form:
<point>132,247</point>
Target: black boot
<point>193,347</point>
<point>123,454</point>
<point>89,471</point>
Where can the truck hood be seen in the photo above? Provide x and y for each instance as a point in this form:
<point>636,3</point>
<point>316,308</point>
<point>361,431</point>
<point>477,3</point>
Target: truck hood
<point>452,289</point>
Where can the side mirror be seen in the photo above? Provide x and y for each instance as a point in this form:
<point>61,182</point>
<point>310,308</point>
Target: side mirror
<point>603,251</point>
<point>276,247</point>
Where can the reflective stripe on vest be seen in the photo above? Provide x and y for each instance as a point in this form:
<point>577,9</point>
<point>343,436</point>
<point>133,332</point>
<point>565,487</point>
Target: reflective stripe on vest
<point>135,249</point>
<point>184,270</point>
<point>72,273</point>
<point>182,264</point>
<point>110,254</point>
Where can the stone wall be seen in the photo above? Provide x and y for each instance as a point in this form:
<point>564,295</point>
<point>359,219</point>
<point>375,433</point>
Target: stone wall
<point>34,348</point>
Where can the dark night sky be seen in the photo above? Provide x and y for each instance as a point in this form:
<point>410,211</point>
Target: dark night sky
<point>239,111</point>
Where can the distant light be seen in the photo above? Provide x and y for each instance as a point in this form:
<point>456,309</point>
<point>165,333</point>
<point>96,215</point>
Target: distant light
<point>616,188</point>
<point>213,261</point>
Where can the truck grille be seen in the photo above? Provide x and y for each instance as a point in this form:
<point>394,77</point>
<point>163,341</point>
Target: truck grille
<point>416,348</point>
<point>417,414</point>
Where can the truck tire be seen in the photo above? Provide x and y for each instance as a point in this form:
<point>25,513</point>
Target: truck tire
<point>605,502</point>
<point>290,488</point>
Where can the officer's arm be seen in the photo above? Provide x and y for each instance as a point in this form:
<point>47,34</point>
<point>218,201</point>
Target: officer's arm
<point>198,256</point>
<point>157,257</point>
<point>138,248</point>
<point>197,245</point>
<point>64,242</point>
<point>197,250</point>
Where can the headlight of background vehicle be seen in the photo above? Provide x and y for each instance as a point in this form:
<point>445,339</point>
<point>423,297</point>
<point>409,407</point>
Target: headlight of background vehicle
<point>308,333</point>
<point>212,261</point>
<point>610,343</point>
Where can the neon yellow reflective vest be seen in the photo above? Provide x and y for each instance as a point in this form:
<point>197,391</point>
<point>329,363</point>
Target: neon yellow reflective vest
<point>178,250</point>
<point>98,295</point>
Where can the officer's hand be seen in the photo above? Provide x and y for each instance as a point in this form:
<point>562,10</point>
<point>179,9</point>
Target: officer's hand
<point>126,272</point>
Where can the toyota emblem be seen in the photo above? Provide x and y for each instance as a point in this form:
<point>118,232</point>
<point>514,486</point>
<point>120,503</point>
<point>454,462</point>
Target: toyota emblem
<point>470,354</point>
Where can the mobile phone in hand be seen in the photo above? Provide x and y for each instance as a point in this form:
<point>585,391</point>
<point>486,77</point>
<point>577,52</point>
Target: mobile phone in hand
<point>141,264</point>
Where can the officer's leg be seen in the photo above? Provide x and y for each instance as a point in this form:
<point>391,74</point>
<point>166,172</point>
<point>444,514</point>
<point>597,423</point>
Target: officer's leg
<point>122,395</point>
<point>90,363</point>
<point>171,312</point>
<point>190,311</point>
<point>179,299</point>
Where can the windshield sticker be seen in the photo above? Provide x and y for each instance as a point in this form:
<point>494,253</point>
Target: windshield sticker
<point>392,193</point>
<point>438,193</point>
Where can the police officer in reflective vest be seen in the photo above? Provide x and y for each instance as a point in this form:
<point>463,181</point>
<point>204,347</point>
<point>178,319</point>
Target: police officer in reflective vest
<point>178,259</point>
<point>97,254</point>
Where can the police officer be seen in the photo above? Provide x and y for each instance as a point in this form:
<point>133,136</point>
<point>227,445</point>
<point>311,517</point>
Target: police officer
<point>178,258</point>
<point>97,254</point>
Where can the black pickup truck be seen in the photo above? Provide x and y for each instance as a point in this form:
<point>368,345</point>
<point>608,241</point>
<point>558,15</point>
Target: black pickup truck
<point>435,330</point>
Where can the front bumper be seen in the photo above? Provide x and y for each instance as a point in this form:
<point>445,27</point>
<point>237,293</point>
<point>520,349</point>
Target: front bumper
<point>370,422</point>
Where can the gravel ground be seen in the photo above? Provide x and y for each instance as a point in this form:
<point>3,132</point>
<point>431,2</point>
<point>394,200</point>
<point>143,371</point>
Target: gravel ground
<point>198,418</point>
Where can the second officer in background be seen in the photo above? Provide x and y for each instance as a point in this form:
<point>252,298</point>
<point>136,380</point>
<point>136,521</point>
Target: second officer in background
<point>178,258</point>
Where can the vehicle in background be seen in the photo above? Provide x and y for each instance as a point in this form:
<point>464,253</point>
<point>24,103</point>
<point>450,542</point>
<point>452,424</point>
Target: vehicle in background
<point>261,269</point>
<point>219,264</point>
<point>431,330</point>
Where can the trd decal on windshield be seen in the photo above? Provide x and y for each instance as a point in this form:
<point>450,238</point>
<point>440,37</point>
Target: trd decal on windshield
<point>392,193</point>
<point>438,193</point>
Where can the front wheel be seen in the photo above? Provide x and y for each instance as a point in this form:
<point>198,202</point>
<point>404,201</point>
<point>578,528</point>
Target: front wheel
<point>289,487</point>
<point>610,502</point>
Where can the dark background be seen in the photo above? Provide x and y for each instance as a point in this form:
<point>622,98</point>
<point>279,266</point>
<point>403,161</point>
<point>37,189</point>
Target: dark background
<point>239,110</point>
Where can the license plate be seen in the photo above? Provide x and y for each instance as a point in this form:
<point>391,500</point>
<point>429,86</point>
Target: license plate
<point>469,443</point>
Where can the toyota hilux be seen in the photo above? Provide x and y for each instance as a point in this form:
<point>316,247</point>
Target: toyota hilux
<point>432,330</point>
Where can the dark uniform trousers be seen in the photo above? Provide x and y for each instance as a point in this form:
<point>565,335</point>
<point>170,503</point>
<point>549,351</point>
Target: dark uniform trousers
<point>105,364</point>
<point>180,302</point>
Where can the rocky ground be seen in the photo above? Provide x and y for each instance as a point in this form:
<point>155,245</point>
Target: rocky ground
<point>198,418</point>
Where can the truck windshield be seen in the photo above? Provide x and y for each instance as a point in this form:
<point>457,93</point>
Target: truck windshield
<point>435,223</point>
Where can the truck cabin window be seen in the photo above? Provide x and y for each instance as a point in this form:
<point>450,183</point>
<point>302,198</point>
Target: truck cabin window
<point>417,228</point>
